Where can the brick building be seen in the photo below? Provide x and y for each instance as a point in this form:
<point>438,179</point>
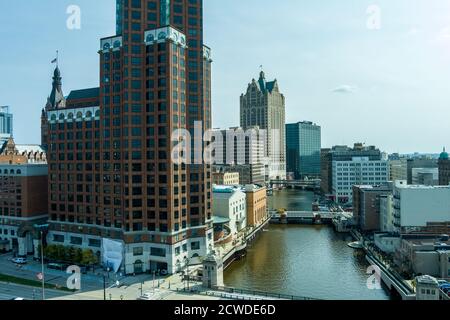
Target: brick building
<point>111,175</point>
<point>23,196</point>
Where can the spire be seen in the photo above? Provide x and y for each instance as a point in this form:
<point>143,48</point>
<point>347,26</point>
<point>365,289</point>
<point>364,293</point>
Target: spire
<point>262,80</point>
<point>444,155</point>
<point>56,99</point>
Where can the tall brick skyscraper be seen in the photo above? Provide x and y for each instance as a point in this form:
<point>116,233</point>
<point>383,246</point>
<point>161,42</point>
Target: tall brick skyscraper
<point>111,176</point>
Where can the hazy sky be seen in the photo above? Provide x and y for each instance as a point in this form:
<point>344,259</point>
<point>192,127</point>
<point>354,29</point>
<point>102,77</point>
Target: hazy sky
<point>389,86</point>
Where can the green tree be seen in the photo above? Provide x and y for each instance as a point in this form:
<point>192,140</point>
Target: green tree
<point>60,252</point>
<point>50,252</point>
<point>78,257</point>
<point>70,254</point>
<point>88,257</point>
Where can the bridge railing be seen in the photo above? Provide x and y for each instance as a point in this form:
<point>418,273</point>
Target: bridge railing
<point>262,294</point>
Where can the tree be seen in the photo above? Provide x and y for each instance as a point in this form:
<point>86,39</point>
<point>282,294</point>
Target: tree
<point>78,257</point>
<point>70,254</point>
<point>88,257</point>
<point>50,252</point>
<point>60,253</point>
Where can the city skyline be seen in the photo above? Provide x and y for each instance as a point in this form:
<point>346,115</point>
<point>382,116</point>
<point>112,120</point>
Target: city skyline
<point>397,73</point>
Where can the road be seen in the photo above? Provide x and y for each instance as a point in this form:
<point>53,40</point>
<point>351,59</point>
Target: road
<point>91,282</point>
<point>9,291</point>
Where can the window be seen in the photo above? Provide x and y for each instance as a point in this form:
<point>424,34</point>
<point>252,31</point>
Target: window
<point>58,238</point>
<point>157,252</point>
<point>76,241</point>
<point>138,251</point>
<point>195,245</point>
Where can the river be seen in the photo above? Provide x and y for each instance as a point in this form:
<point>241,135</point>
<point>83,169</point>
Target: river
<point>307,261</point>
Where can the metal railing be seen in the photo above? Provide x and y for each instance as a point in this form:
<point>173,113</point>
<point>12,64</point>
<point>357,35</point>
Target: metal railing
<point>261,294</point>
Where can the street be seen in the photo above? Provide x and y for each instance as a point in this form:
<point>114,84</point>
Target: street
<point>90,283</point>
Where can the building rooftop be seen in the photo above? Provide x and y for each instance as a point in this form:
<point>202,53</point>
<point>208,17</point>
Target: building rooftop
<point>427,280</point>
<point>220,220</point>
<point>403,185</point>
<point>90,93</point>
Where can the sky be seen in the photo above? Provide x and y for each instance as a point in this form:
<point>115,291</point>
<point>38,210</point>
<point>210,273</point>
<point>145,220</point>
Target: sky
<point>376,72</point>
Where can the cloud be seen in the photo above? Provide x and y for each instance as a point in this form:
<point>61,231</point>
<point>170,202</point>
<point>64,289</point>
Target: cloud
<point>345,89</point>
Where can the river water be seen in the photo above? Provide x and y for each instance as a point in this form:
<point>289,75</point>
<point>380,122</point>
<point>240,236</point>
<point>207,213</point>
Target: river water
<point>307,261</point>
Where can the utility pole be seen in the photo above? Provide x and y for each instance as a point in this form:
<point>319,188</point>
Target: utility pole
<point>104,287</point>
<point>42,265</point>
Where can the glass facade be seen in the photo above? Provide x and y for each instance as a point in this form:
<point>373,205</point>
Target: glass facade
<point>6,120</point>
<point>303,144</point>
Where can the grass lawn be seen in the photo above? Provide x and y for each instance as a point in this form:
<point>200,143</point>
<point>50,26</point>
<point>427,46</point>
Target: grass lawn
<point>31,283</point>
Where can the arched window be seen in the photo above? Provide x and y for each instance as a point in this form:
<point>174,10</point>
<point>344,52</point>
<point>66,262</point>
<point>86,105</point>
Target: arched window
<point>150,38</point>
<point>97,113</point>
<point>62,116</point>
<point>53,117</point>
<point>70,116</point>
<point>162,35</point>
<point>88,114</point>
<point>79,115</point>
<point>19,171</point>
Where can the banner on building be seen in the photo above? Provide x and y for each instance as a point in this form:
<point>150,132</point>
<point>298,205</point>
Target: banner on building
<point>112,254</point>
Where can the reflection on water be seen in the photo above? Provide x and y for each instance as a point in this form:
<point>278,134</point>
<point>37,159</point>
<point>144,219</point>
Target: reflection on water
<point>311,261</point>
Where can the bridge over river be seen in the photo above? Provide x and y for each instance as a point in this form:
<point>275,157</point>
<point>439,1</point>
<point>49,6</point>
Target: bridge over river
<point>301,217</point>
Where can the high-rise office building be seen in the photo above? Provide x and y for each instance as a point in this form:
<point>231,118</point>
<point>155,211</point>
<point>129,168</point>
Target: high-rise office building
<point>263,106</point>
<point>242,152</point>
<point>398,169</point>
<point>303,143</point>
<point>6,124</point>
<point>424,162</point>
<point>444,169</point>
<point>360,165</point>
<point>111,172</point>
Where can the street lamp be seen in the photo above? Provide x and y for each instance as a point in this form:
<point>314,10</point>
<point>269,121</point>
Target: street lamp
<point>104,287</point>
<point>42,265</point>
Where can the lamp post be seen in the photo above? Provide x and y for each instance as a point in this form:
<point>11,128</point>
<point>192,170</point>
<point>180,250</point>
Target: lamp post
<point>186,259</point>
<point>42,265</point>
<point>154,276</point>
<point>104,287</point>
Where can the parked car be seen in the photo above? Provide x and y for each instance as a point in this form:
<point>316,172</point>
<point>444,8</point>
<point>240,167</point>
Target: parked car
<point>56,266</point>
<point>19,260</point>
